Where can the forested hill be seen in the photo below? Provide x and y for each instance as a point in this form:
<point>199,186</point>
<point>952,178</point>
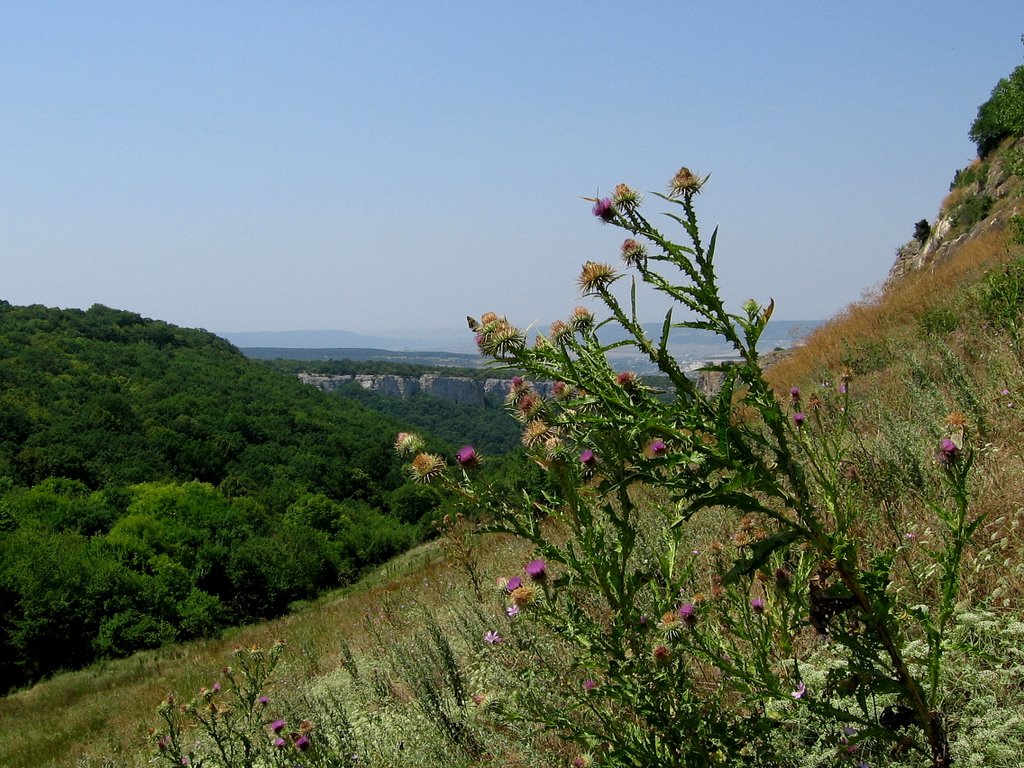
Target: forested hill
<point>156,485</point>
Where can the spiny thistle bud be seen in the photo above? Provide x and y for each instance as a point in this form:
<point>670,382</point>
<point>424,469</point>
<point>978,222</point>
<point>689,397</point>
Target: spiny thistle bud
<point>685,184</point>
<point>408,443</point>
<point>596,277</point>
<point>627,380</point>
<point>625,197</point>
<point>426,467</point>
<point>487,318</point>
<point>559,330</point>
<point>500,338</point>
<point>633,253</point>
<point>948,453</point>
<point>561,390</point>
<point>536,432</point>
<point>655,448</point>
<point>582,318</point>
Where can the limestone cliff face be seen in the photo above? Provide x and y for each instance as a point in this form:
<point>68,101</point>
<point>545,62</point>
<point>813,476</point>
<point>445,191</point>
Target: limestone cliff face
<point>994,181</point>
<point>456,389</point>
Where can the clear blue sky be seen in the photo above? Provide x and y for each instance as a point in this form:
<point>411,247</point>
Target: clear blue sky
<point>392,165</point>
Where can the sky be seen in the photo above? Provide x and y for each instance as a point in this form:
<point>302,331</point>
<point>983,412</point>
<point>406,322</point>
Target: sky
<point>388,166</point>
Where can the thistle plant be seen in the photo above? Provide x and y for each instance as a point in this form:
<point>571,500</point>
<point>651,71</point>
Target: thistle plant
<point>682,657</point>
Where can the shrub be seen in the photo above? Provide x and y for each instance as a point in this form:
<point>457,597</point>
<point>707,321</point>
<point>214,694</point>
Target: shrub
<point>676,657</point>
<point>1002,115</point>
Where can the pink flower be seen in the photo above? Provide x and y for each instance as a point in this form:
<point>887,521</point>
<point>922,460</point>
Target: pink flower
<point>800,691</point>
<point>799,418</point>
<point>604,209</point>
<point>589,685</point>
<point>492,637</point>
<point>468,457</point>
<point>513,584</point>
<point>536,570</point>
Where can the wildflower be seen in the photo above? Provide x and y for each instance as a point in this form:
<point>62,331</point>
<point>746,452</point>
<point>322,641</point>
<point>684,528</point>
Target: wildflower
<point>277,726</point>
<point>783,578</point>
<point>527,405</point>
<point>757,605</point>
<point>596,277</point>
<point>588,459</point>
<point>523,595</point>
<point>535,432</point>
<point>302,743</point>
<point>604,209</point>
<point>581,319</point>
<point>661,652</point>
<point>492,637</point>
<point>513,584</point>
<point>956,420</point>
<point>408,444</point>
<point>948,452</point>
<point>560,390</point>
<point>799,691</point>
<point>633,253</point>
<point>655,448</point>
<point>799,418</point>
<point>468,457</point>
<point>626,380</point>
<point>589,684</point>
<point>582,761</point>
<point>512,611</point>
<point>279,743</point>
<point>536,570</point>
<point>685,184</point>
<point>216,687</point>
<point>794,395</point>
<point>688,613</point>
<point>426,467</point>
<point>626,197</point>
<point>263,700</point>
<point>558,330</point>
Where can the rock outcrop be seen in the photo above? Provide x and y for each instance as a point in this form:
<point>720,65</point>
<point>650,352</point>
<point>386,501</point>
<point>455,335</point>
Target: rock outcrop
<point>455,389</point>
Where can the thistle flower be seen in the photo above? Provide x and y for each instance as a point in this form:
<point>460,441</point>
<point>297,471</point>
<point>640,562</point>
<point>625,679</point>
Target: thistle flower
<point>685,183</point>
<point>948,453</point>
<point>588,459</point>
<point>302,743</point>
<point>582,318</point>
<point>596,277</point>
<point>633,253</point>
<point>468,457</point>
<point>537,570</point>
<point>625,197</point>
<point>536,432</point>
<point>511,585</point>
<point>558,330</point>
<point>277,726</point>
<point>279,743</point>
<point>688,613</point>
<point>757,605</point>
<point>627,380</point>
<point>799,418</point>
<point>794,395</point>
<point>408,443</point>
<point>560,390</point>
<point>604,209</point>
<point>655,448</point>
<point>589,684</point>
<point>523,596</point>
<point>426,467</point>
<point>661,652</point>
<point>500,338</point>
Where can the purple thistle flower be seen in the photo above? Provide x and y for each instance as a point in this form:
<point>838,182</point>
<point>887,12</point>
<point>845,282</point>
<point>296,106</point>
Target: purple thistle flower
<point>688,613</point>
<point>536,570</point>
<point>279,743</point>
<point>655,448</point>
<point>302,743</point>
<point>589,685</point>
<point>277,726</point>
<point>492,637</point>
<point>757,605</point>
<point>794,395</point>
<point>513,584</point>
<point>467,457</point>
<point>263,700</point>
<point>948,452</point>
<point>604,210</point>
<point>588,459</point>
<point>799,418</point>
<point>216,687</point>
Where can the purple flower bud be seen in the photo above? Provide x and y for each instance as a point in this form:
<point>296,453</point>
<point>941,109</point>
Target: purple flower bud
<point>588,459</point>
<point>513,584</point>
<point>688,613</point>
<point>948,452</point>
<point>799,418</point>
<point>277,726</point>
<point>757,605</point>
<point>655,448</point>
<point>589,685</point>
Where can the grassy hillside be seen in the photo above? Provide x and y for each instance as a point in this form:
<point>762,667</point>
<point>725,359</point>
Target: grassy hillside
<point>754,634</point>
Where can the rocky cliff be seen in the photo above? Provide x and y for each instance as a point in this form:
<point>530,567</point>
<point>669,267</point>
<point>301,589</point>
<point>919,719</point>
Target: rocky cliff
<point>457,389</point>
<point>983,197</point>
